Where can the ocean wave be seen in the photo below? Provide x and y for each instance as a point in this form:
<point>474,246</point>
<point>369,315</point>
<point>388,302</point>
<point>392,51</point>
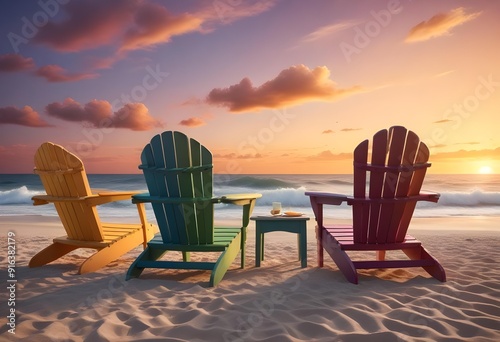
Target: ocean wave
<point>20,195</point>
<point>467,199</point>
<point>339,182</point>
<point>257,183</point>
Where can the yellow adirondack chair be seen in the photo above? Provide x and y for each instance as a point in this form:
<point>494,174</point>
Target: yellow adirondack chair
<point>65,181</point>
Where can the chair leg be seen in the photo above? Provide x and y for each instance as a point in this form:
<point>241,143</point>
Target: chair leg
<point>243,246</point>
<point>302,239</point>
<point>225,260</point>
<point>319,240</point>
<point>112,252</point>
<point>149,254</point>
<point>420,253</point>
<point>341,259</point>
<point>51,253</point>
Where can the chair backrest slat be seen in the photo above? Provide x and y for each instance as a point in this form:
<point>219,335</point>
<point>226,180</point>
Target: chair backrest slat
<point>361,211</point>
<point>395,146</point>
<point>417,179</point>
<point>187,222</point>
<point>392,175</point>
<point>174,167</point>
<point>379,154</point>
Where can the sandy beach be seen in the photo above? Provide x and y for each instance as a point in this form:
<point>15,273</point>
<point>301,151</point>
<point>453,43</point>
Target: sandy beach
<point>277,302</point>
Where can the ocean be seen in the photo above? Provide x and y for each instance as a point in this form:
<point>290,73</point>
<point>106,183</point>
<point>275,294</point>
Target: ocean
<point>461,195</point>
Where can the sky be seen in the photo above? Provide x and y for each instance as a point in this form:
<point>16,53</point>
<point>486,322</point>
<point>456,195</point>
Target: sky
<point>270,87</point>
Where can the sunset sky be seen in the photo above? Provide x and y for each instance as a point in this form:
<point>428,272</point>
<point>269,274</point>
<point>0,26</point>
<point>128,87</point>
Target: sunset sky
<point>268,86</point>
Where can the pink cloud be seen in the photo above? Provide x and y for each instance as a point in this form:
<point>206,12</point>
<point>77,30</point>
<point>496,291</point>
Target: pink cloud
<point>87,24</point>
<point>193,122</point>
<point>135,116</point>
<point>154,24</point>
<point>55,73</point>
<point>24,117</point>
<point>15,62</point>
<point>99,114</point>
<point>439,25</point>
<point>227,12</point>
<point>95,63</point>
<point>295,85</point>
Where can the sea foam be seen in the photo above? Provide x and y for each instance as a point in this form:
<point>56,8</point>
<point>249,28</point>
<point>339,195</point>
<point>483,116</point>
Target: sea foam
<point>20,195</point>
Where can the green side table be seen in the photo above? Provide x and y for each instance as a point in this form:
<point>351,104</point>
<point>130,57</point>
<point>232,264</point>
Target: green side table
<point>267,224</point>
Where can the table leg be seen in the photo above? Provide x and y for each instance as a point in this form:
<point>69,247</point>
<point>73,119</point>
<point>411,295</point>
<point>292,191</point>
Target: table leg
<point>303,246</point>
<point>258,247</point>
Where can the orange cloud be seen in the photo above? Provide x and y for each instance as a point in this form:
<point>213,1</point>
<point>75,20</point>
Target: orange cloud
<point>24,117</point>
<point>439,25</point>
<point>493,154</point>
<point>443,121</point>
<point>193,122</point>
<point>14,62</point>
<point>295,85</point>
<point>55,73</point>
<point>328,131</point>
<point>329,156</point>
<point>134,116</point>
<point>350,129</point>
<point>238,156</point>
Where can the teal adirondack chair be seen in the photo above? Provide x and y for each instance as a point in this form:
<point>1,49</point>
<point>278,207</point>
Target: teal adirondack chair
<point>179,177</point>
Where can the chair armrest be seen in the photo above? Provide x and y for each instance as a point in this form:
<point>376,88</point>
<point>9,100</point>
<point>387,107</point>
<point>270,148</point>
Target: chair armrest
<point>110,196</point>
<point>429,196</point>
<point>46,199</point>
<point>96,199</point>
<point>239,199</point>
<point>246,200</point>
<point>318,199</point>
<point>327,197</point>
<point>423,196</point>
<point>147,198</point>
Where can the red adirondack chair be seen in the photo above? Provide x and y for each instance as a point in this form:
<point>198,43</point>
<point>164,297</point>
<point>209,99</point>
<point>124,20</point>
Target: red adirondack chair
<point>380,218</point>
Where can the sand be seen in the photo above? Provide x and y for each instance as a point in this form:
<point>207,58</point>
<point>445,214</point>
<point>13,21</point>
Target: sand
<point>277,302</point>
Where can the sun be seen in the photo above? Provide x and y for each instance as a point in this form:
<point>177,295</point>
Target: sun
<point>484,170</point>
